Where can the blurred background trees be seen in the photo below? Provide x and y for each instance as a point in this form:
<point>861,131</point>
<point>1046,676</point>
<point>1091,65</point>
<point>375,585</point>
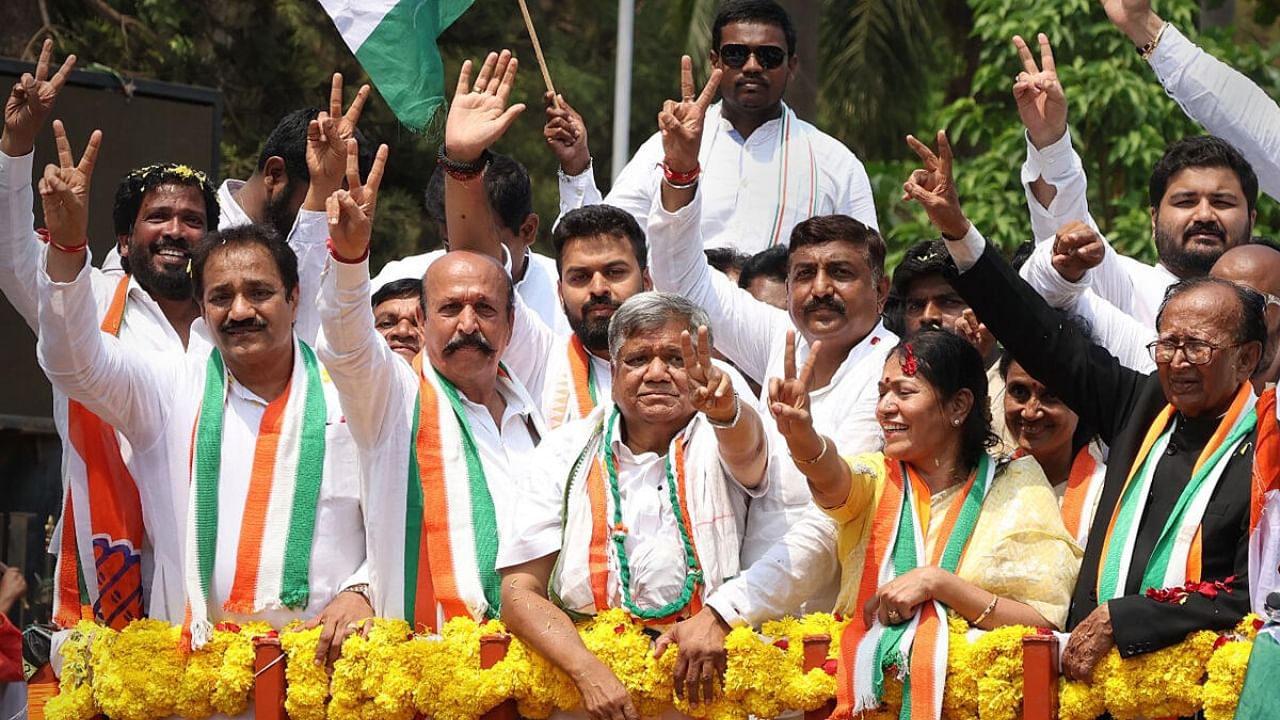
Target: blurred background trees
<point>872,71</point>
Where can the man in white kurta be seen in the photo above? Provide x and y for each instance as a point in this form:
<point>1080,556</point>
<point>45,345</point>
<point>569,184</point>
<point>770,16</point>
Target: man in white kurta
<point>639,505</point>
<point>764,169</point>
<point>156,401</point>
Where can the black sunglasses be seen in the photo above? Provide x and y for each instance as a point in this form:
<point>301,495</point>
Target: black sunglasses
<point>769,56</point>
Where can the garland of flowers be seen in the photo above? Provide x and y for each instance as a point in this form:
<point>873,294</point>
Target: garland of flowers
<point>139,674</point>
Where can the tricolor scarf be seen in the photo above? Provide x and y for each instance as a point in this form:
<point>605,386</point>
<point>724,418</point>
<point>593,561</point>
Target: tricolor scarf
<point>102,524</point>
<point>575,391</point>
<point>451,529</point>
<point>797,190</point>
<point>895,547</point>
<point>589,571</point>
<point>1264,506</point>
<point>273,555</point>
<point>1176,557</point>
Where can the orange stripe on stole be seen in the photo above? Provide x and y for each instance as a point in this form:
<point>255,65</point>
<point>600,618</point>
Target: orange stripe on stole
<point>435,506</point>
<point>1078,483</point>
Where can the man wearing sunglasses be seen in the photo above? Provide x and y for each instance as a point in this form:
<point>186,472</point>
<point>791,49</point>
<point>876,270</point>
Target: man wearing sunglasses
<point>763,170</point>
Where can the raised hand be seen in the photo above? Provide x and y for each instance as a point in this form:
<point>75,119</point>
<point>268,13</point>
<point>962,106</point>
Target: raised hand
<point>566,134</point>
<point>350,212</point>
<point>326,155</point>
<point>712,392</point>
<point>789,394</point>
<point>1042,105</point>
<point>1077,248</point>
<point>934,187</point>
<point>479,114</point>
<point>345,122</point>
<point>681,122</point>
<point>64,189</point>
<point>30,101</point>
<point>1134,18</point>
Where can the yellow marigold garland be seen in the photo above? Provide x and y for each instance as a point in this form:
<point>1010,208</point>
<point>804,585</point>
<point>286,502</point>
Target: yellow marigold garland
<point>138,674</point>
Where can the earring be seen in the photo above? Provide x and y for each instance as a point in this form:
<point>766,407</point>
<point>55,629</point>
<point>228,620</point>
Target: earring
<point>955,422</point>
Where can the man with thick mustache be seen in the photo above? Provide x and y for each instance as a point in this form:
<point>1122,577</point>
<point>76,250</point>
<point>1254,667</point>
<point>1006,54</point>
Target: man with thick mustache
<point>160,213</point>
<point>1173,517</point>
<point>442,438</point>
<point>242,435</point>
<point>765,169</point>
<point>1203,195</point>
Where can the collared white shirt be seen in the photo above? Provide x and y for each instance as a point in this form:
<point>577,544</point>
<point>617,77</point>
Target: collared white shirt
<point>741,178</point>
<point>538,288</point>
<point>379,391</point>
<point>752,335</point>
<point>655,552</point>
<point>152,399</point>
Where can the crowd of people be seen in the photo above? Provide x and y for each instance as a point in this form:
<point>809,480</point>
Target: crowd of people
<point>713,406</point>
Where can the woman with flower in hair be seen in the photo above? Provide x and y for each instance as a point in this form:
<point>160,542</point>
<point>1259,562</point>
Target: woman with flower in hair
<point>931,525</point>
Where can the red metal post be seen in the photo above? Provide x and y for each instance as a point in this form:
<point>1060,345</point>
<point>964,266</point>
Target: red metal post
<point>492,649</point>
<point>1040,677</point>
<point>816,648</point>
<point>269,679</point>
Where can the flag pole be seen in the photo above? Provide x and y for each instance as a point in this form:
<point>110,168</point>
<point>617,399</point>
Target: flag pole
<point>537,51</point>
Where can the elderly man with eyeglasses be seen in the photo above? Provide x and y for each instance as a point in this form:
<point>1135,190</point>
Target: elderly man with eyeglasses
<point>763,169</point>
<point>1168,550</point>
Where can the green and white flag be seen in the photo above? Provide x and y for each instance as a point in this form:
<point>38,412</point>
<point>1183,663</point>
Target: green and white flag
<point>395,42</point>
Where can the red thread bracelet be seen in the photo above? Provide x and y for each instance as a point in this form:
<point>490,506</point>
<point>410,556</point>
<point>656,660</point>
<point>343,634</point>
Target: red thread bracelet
<point>47,237</point>
<point>680,178</point>
<point>333,253</point>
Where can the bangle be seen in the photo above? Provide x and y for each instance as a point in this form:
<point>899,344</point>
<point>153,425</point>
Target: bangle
<point>47,237</point>
<point>989,609</point>
<point>1146,50</point>
<point>462,172</point>
<point>815,458</point>
<point>333,253</point>
<point>680,180</point>
<point>737,413</point>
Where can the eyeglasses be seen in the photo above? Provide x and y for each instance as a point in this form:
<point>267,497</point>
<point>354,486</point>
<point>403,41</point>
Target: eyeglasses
<point>769,56</point>
<point>1197,352</point>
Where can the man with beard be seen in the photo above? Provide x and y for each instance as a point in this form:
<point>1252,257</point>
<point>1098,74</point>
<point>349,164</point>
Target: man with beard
<point>242,435</point>
<point>441,439</point>
<point>764,169</point>
<point>397,316</point>
<point>160,213</point>
<point>1203,195</point>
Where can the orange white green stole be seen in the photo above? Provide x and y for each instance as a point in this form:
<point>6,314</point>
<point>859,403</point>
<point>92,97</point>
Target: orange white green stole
<point>102,525</point>
<point>1176,557</point>
<point>1264,506</point>
<point>576,389</point>
<point>273,554</point>
<point>594,567</point>
<point>896,546</point>
<point>451,532</point>
<point>1084,489</point>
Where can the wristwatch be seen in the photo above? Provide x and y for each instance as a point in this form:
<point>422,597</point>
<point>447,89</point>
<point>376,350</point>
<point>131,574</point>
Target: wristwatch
<point>361,589</point>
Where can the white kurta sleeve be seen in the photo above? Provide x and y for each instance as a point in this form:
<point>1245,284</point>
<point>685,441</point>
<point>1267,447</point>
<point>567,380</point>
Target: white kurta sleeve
<point>366,372</point>
<point>128,389</point>
<point>743,328</point>
<point>796,568</point>
<point>1118,332</point>
<point>578,190</point>
<point>856,199</point>
<point>527,354</point>
<point>1224,101</point>
<point>1060,166</point>
<point>308,240</point>
<point>19,245</point>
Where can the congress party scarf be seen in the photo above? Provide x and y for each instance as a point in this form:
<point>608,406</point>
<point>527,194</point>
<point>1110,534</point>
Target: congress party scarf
<point>102,525</point>
<point>451,530</point>
<point>895,547</point>
<point>273,554</point>
<point>793,187</point>
<point>593,559</point>
<point>1084,488</point>
<point>1176,557</point>
<point>576,391</point>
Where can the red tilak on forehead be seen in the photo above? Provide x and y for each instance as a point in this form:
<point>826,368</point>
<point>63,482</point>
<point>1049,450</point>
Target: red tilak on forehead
<point>909,367</point>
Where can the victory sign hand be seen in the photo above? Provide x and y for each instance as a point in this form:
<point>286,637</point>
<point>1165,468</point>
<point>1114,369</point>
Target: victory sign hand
<point>1042,105</point>
<point>681,122</point>
<point>789,394</point>
<point>350,212</point>
<point>30,101</point>
<point>711,390</point>
<point>64,189</point>
<point>934,187</point>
